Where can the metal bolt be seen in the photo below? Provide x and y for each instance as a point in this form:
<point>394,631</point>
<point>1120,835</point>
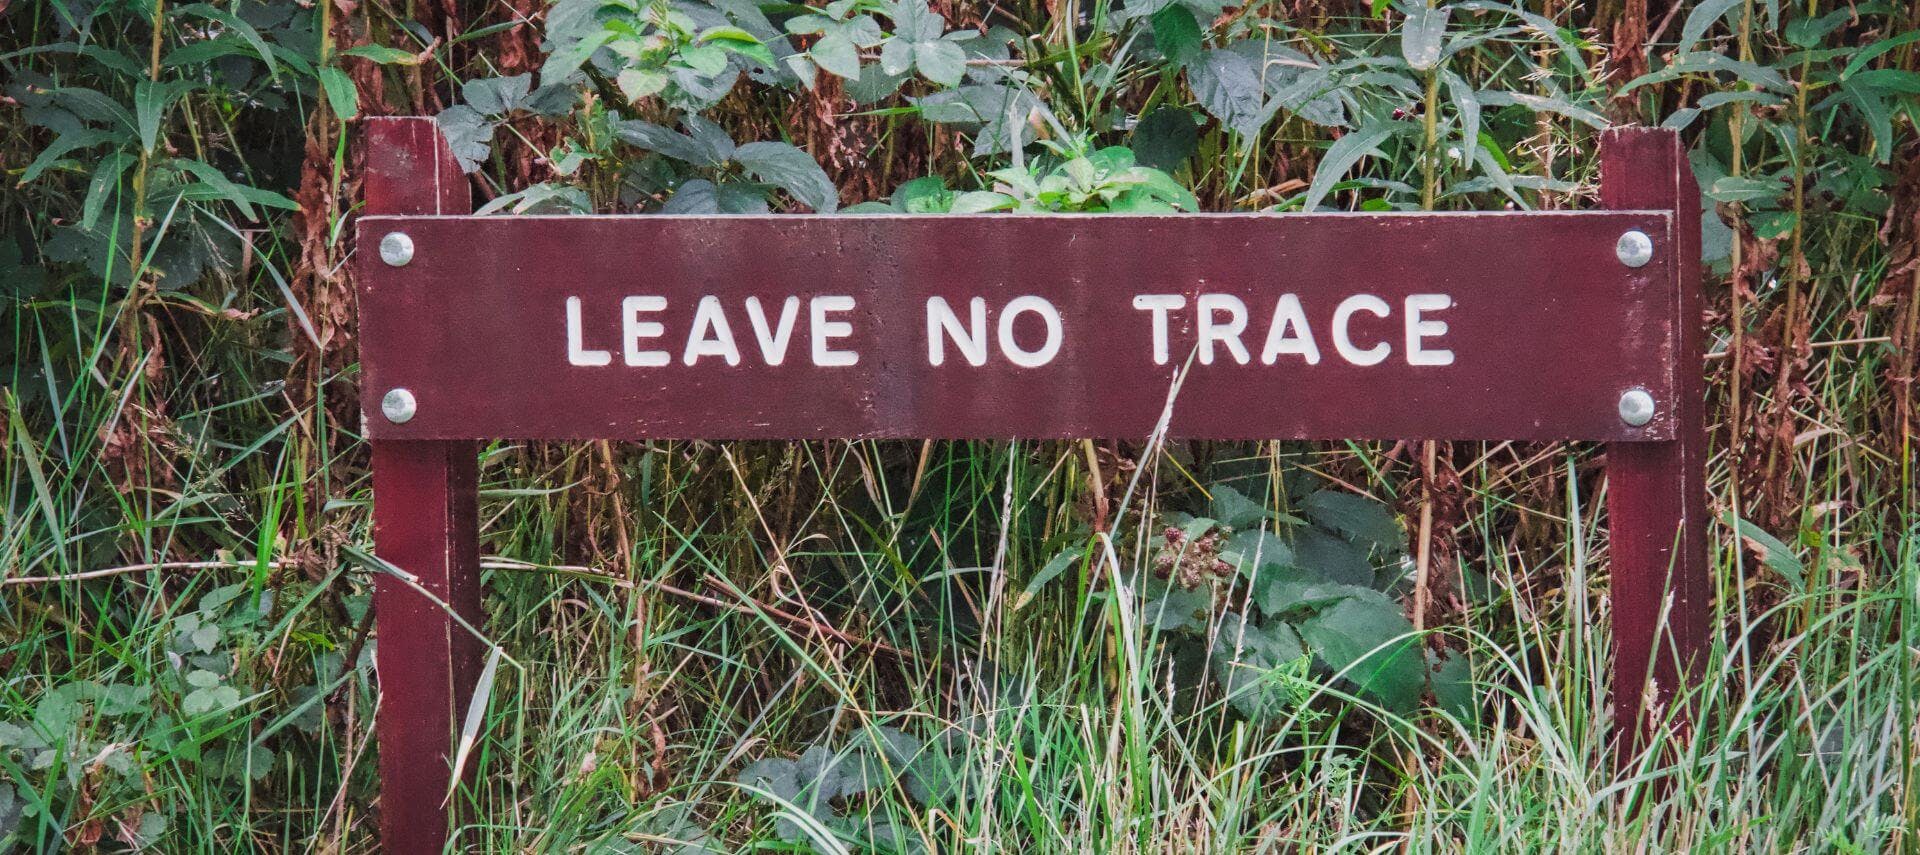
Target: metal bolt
<point>1634,248</point>
<point>1636,406</point>
<point>399,406</point>
<point>396,249</point>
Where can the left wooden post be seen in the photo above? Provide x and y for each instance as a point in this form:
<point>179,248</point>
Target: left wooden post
<point>425,522</point>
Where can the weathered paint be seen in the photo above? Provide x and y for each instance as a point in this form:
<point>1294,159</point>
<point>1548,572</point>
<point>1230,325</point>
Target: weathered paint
<point>1545,330</point>
<point>512,326</point>
<point>425,523</point>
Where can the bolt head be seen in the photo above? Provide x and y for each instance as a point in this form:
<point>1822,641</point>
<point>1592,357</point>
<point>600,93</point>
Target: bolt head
<point>1636,406</point>
<point>1634,248</point>
<point>396,249</point>
<point>398,405</point>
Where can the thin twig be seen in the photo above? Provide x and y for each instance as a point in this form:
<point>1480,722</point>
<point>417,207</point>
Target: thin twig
<point>139,568</point>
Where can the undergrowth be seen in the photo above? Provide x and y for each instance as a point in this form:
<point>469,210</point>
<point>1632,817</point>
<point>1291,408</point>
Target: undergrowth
<point>1027,646</point>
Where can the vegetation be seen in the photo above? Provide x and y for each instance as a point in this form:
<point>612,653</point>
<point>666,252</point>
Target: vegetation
<point>934,646</point>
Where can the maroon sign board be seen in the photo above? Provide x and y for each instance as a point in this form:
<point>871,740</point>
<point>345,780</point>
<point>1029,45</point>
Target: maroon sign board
<point>1580,325</point>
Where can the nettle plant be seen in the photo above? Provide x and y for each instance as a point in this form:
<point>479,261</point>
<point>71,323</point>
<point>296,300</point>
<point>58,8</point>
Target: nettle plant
<point>1429,98</point>
<point>1268,606</point>
<point>187,701</point>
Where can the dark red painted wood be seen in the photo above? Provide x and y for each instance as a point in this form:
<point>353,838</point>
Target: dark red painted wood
<point>1547,326</point>
<point>426,524</point>
<point>1657,497</point>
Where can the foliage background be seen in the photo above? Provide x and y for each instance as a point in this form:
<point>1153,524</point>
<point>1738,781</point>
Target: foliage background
<point>926,646</point>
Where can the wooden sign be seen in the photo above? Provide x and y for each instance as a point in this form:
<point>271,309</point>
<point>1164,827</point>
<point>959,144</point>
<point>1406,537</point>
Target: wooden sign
<point>1522,326</point>
<point>1512,326</point>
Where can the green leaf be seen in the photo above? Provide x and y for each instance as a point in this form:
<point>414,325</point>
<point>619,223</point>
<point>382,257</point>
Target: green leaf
<point>1177,609</point>
<point>940,61</point>
<point>1422,36</point>
<point>497,96</point>
<point>341,94</point>
<point>1228,87</point>
<point>915,22</point>
<point>1232,508</point>
<point>1363,520</point>
<point>106,180</point>
<point>1341,156</point>
<point>382,55</point>
<point>1177,34</point>
<point>1165,139</point>
<point>234,24</point>
<point>1545,104</point>
<point>1734,188</point>
<point>1777,556</point>
<point>1888,80</point>
<point>981,201</point>
<point>1370,642</point>
<point>837,55</point>
<point>61,146</point>
<point>1060,564</point>
<point>1332,557</point>
<point>792,170</point>
<point>707,149</point>
<point>638,83</point>
<point>1248,660</point>
<point>1876,49</point>
<point>1259,551</point>
<point>1702,18</point>
<point>150,102</point>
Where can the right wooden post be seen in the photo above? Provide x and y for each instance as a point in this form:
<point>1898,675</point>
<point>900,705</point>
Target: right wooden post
<point>1657,496</point>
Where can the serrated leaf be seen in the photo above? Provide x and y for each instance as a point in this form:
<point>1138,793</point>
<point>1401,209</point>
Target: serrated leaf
<point>1371,643</point>
<point>1233,509</point>
<point>792,170</point>
<point>1333,558</point>
<point>1177,609</point>
<point>1165,139</point>
<point>1228,87</point>
<point>1361,519</point>
<point>469,135</point>
<point>1246,659</point>
<point>1177,34</point>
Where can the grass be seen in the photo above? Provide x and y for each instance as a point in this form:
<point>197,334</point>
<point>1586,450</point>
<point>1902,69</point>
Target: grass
<point>689,631</point>
<point>625,715</point>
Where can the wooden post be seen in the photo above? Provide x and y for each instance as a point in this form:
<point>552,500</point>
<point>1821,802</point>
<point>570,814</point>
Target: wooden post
<point>1657,495</point>
<point>425,523</point>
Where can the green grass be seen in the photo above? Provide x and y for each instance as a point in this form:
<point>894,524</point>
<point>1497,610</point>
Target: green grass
<point>625,714</point>
<point>684,629</point>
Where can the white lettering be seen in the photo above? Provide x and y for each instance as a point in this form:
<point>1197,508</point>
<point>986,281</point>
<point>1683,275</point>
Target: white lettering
<point>1011,348</point>
<point>773,343</point>
<point>971,339</point>
<point>711,336</point>
<point>1159,305</point>
<point>1228,333</point>
<point>637,329</point>
<point>577,353</point>
<point>1289,315</point>
<point>823,330</point>
<point>1343,342</point>
<point>1419,328</point>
